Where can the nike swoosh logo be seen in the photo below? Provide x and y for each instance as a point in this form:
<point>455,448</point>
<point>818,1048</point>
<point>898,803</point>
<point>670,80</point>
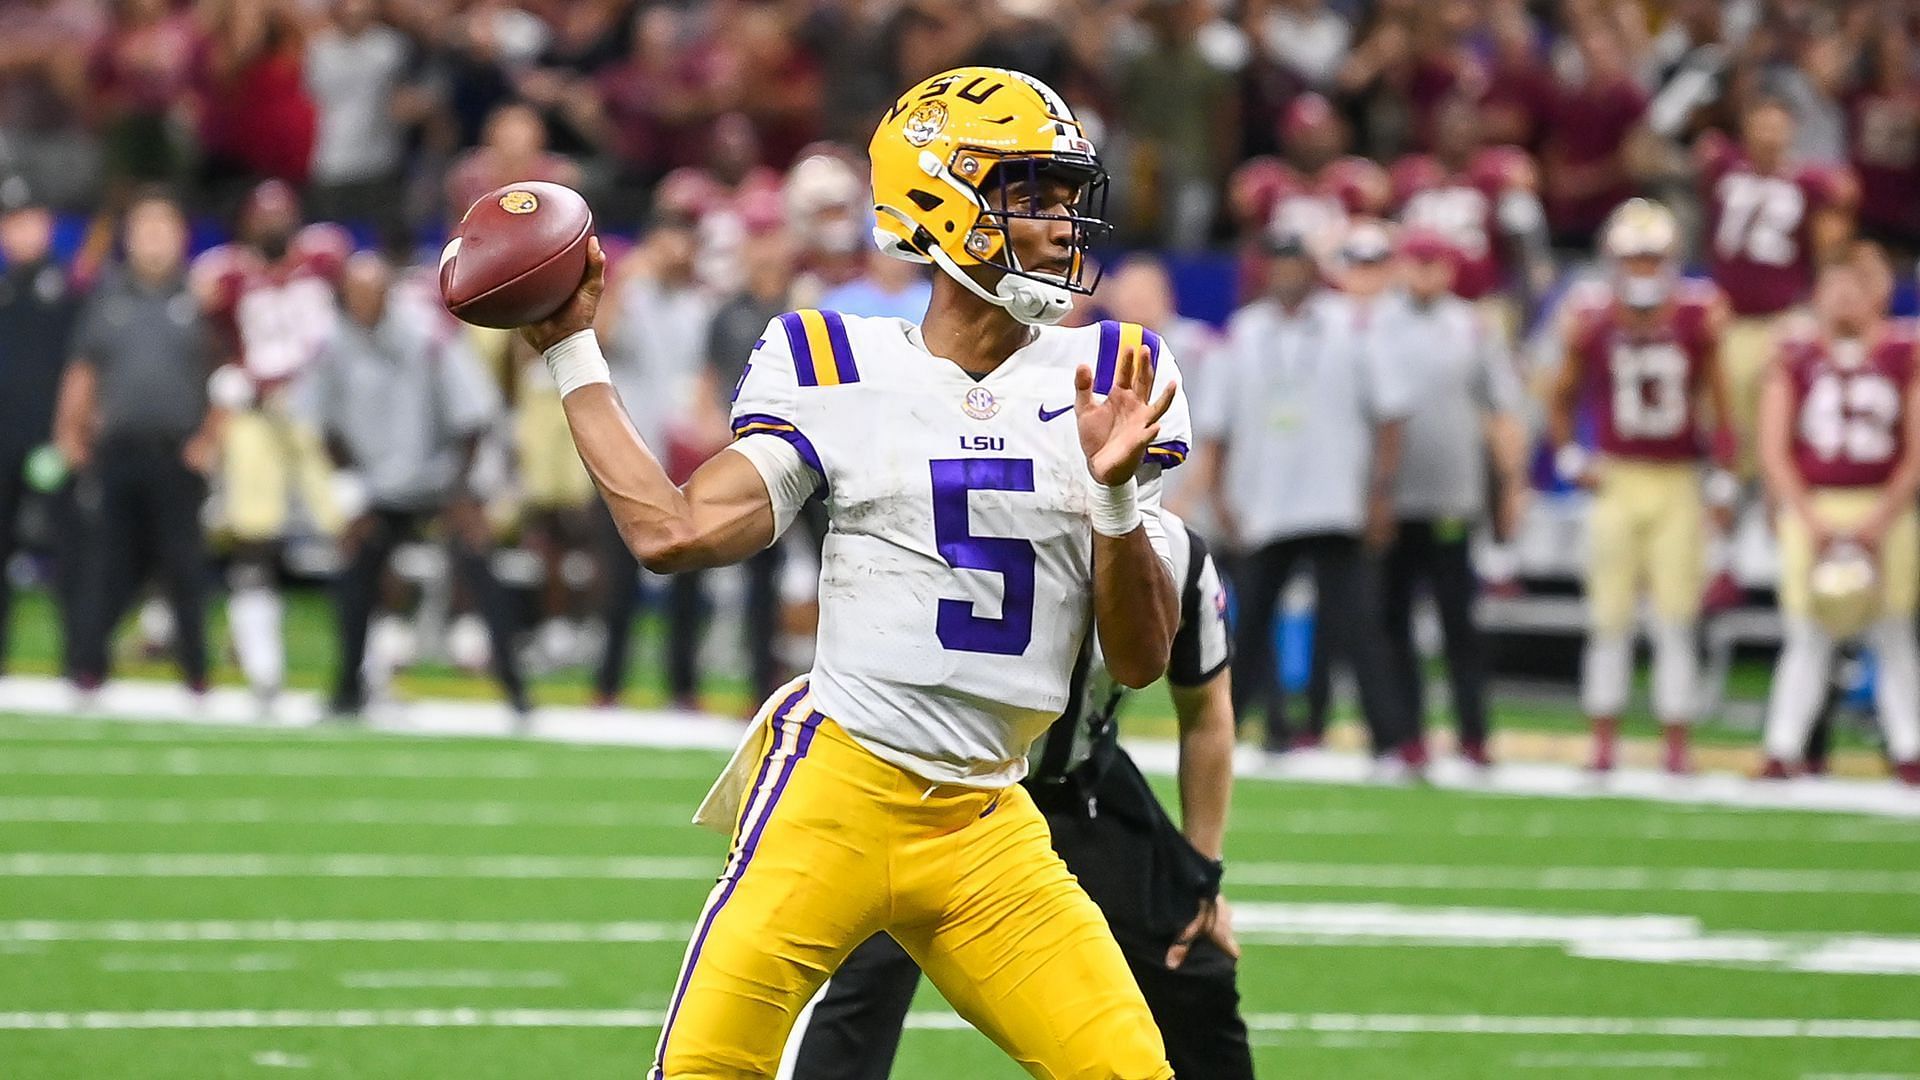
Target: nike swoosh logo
<point>1047,414</point>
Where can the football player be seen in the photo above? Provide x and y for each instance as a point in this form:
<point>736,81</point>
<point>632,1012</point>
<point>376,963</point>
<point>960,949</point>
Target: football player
<point>271,294</point>
<point>1641,357</point>
<point>1484,201</point>
<point>1840,450</point>
<point>1159,884</point>
<point>1314,195</point>
<point>1769,223</point>
<point>992,488</point>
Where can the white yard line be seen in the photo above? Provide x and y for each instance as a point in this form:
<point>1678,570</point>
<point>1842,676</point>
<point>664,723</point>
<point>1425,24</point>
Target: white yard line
<point>1246,875</point>
<point>159,703</point>
<point>1847,1029</point>
<point>336,762</point>
<point>485,814</point>
<point>31,931</point>
<point>361,865</point>
<point>185,964</point>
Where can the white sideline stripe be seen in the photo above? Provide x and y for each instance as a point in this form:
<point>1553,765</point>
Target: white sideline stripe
<point>1245,875</point>
<point>288,930</point>
<point>1373,1023</point>
<point>334,762</point>
<point>1650,1060</point>
<point>346,865</point>
<point>179,964</point>
<point>161,704</point>
<point>88,810</point>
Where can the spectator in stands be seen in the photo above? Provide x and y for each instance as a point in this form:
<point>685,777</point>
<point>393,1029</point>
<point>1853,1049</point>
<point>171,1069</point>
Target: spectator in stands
<point>645,111</point>
<point>1300,438</point>
<point>761,69</point>
<point>357,74</point>
<point>403,404</point>
<point>37,309</point>
<point>43,96</point>
<point>1307,37</point>
<point>1177,98</point>
<point>141,75</point>
<point>133,419</point>
<point>256,120</point>
<point>1884,139</point>
<point>658,317</point>
<point>829,216</point>
<point>1588,124</point>
<point>515,148</point>
<point>1457,366</point>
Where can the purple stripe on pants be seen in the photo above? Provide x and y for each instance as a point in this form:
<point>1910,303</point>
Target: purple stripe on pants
<point>737,865</point>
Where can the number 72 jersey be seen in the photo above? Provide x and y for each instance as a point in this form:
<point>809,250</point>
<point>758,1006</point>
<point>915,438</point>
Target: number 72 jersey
<point>956,580</point>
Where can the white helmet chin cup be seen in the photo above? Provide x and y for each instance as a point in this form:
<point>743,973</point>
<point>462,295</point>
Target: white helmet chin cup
<point>1035,303</point>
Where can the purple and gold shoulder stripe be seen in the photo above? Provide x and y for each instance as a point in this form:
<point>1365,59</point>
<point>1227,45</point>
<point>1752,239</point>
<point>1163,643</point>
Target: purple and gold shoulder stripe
<point>821,354</point>
<point>762,423</point>
<point>1114,337</point>
<point>1167,454</point>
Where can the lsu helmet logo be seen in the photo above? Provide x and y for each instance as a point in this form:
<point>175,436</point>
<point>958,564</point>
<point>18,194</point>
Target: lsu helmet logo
<point>519,202</point>
<point>925,123</point>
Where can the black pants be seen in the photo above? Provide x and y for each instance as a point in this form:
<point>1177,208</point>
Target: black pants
<point>1435,554</point>
<point>686,619</point>
<point>12,495</point>
<point>1136,866</point>
<point>142,509</point>
<point>1347,630</point>
<point>357,594</point>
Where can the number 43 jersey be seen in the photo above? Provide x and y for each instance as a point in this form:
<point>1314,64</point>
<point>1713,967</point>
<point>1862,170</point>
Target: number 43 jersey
<point>956,581</point>
<point>1849,405</point>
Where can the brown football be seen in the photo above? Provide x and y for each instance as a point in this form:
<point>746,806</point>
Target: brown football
<point>517,255</point>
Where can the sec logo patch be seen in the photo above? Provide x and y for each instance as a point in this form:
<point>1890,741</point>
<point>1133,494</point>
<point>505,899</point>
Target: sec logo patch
<point>519,202</point>
<point>980,404</point>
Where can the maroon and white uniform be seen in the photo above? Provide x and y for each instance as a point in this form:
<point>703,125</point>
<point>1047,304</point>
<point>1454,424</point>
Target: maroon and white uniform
<point>1642,384</point>
<point>1883,134</point>
<point>1464,207</point>
<point>1847,423</point>
<point>274,317</point>
<point>1318,208</point>
<point>1760,228</point>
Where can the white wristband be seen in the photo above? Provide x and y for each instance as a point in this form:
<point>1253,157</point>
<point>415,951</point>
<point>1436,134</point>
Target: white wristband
<point>1571,462</point>
<point>575,361</point>
<point>1116,509</point>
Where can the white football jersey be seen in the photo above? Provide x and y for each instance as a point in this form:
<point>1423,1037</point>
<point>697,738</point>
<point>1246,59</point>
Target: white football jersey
<point>956,583</point>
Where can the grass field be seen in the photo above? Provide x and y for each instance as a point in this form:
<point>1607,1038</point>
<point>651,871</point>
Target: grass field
<point>194,903</point>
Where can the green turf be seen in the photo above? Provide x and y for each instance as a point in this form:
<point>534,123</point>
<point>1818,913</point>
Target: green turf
<point>82,787</point>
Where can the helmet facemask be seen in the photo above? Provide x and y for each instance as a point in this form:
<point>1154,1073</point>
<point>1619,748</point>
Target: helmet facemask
<point>991,241</point>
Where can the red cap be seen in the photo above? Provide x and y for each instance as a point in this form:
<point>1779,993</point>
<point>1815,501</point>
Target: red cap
<point>1427,245</point>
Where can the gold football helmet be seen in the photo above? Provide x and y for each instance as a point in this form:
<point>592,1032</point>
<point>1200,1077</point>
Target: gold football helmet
<point>943,160</point>
<point>1845,589</point>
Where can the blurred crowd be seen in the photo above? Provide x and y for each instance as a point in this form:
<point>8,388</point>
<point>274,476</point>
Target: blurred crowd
<point>271,179</point>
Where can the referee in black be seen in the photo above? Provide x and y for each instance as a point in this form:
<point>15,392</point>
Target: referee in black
<point>1158,886</point>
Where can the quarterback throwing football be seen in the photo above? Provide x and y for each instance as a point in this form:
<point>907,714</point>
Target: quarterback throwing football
<point>991,485</point>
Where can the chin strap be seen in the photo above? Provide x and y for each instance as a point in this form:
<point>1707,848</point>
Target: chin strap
<point>1035,303</point>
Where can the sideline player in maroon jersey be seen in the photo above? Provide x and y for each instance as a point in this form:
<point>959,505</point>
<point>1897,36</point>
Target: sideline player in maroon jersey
<point>271,295</point>
<point>1314,195</point>
<point>1840,449</point>
<point>1769,223</point>
<point>1484,200</point>
<point>1642,357</point>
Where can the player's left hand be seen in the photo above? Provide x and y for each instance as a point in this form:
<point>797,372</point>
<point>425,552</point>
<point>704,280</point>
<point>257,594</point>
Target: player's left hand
<point>1115,432</point>
<point>1214,923</point>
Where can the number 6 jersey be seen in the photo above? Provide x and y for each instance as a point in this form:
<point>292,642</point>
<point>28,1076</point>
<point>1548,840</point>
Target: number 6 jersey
<point>956,582</point>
